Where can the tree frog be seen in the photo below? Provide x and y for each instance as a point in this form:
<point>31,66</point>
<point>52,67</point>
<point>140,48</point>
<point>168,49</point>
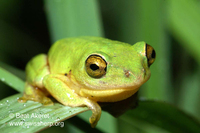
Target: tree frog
<point>83,71</point>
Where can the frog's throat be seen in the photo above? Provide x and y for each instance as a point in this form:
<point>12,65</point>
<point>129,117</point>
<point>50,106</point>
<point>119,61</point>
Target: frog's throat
<point>108,95</point>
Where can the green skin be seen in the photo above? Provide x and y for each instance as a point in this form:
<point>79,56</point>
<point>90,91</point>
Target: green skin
<point>62,73</point>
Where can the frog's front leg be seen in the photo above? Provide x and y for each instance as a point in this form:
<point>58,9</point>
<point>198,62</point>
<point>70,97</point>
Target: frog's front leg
<point>58,86</point>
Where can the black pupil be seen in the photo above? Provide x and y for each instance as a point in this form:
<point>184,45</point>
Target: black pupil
<point>153,54</point>
<point>94,67</point>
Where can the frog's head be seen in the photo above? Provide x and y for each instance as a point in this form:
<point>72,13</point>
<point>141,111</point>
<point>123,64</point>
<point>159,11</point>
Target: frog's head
<point>115,67</point>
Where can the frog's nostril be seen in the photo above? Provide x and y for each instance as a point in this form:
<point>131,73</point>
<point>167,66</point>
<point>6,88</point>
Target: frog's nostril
<point>127,73</point>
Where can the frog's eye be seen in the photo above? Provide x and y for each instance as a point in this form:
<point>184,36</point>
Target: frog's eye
<point>150,54</point>
<point>95,66</point>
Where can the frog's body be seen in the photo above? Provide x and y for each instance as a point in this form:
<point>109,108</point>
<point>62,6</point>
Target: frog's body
<point>86,70</point>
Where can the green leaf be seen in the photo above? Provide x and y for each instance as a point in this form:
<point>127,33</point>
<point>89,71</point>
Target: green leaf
<point>162,115</point>
<point>69,18</point>
<point>11,80</point>
<point>18,117</point>
<point>184,23</point>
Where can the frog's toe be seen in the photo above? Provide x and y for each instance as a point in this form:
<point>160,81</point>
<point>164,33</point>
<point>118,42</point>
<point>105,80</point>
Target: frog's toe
<point>22,100</point>
<point>94,119</point>
<point>47,101</point>
<point>93,122</point>
<point>25,98</point>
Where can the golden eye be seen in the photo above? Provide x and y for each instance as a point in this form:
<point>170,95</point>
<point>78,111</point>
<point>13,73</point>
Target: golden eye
<point>95,66</point>
<point>150,54</point>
